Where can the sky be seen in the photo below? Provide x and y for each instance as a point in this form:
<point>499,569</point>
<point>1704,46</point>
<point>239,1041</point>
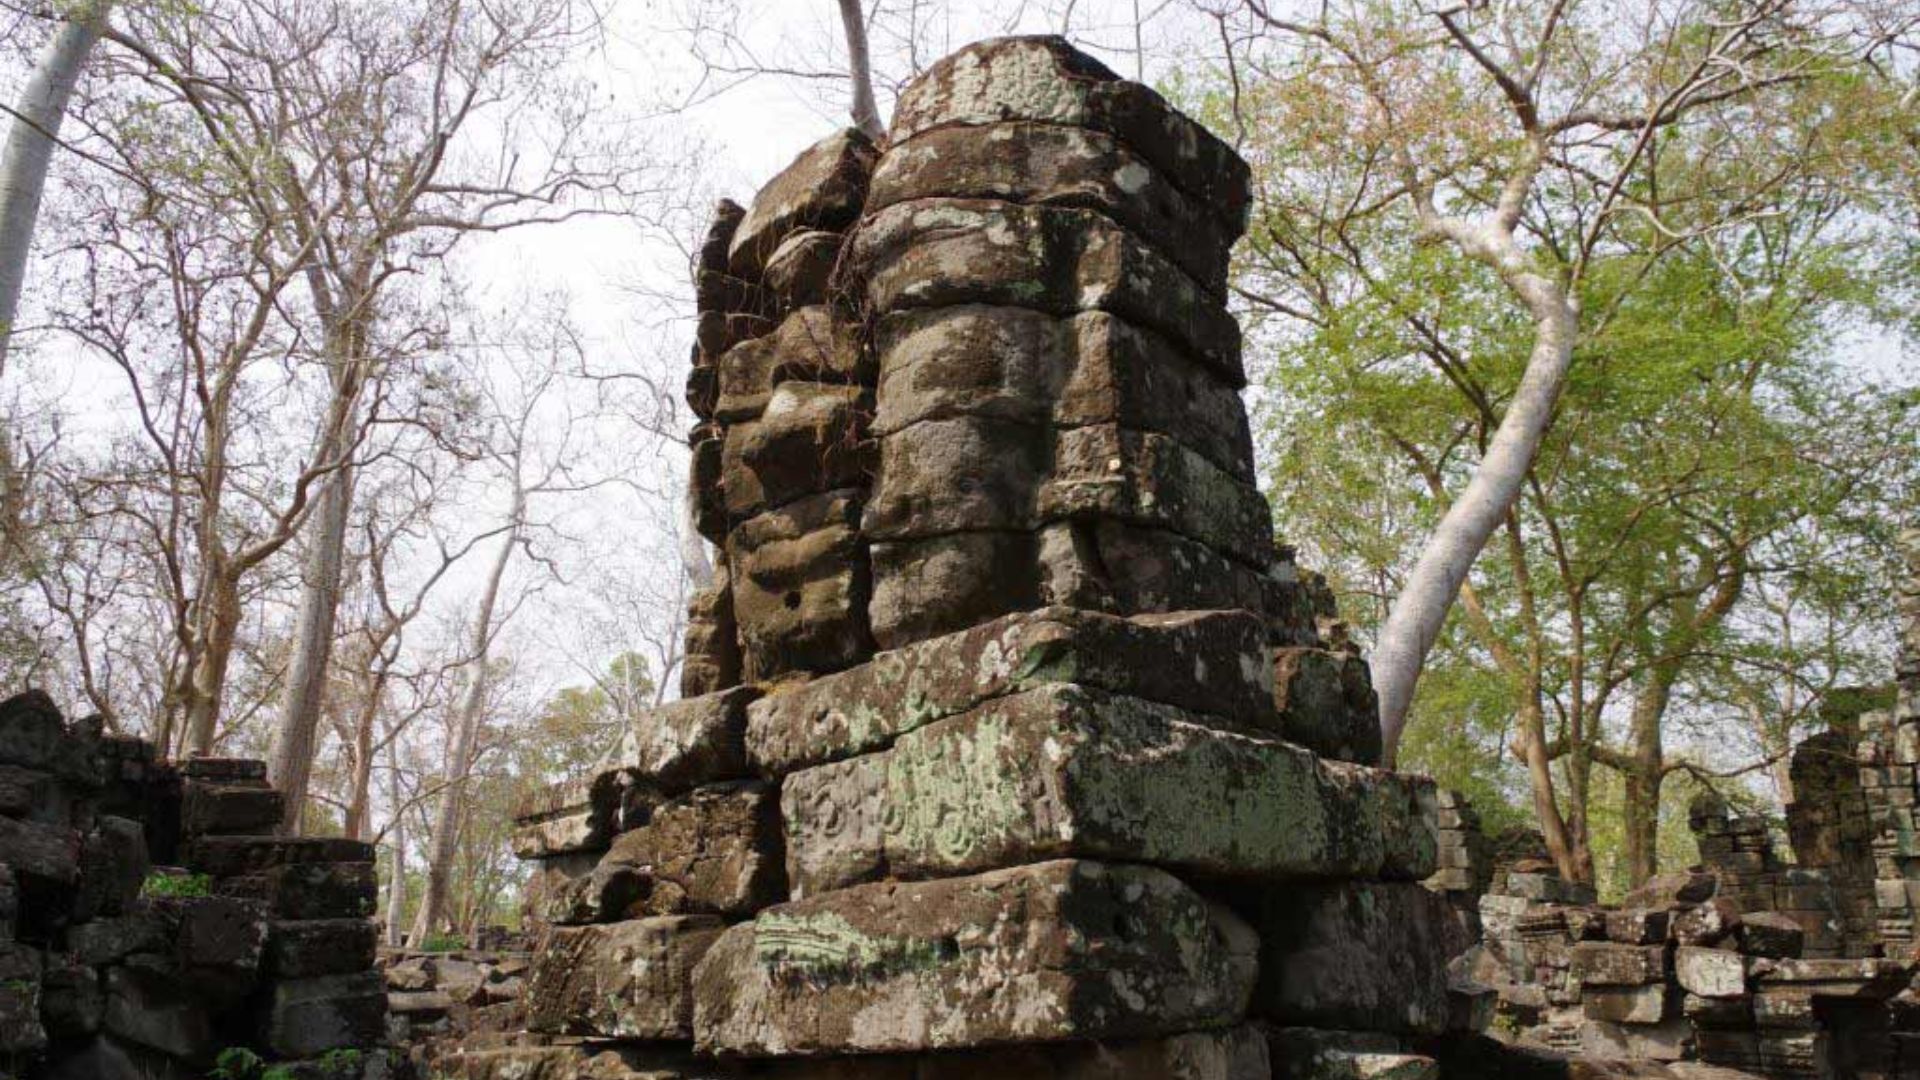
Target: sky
<point>699,77</point>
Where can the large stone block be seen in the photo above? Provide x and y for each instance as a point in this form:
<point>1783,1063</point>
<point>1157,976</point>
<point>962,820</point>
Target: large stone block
<point>717,850</point>
<point>21,1031</point>
<point>960,474</point>
<point>224,856</point>
<point>308,1017</point>
<point>146,1007</point>
<point>1354,955</point>
<point>628,980</point>
<point>1069,771</point>
<point>1048,81</point>
<point>925,588</point>
<point>683,744</point>
<point>231,808</point>
<point>1060,165</point>
<point>800,594</point>
<point>113,867</point>
<point>807,346</point>
<point>712,644</point>
<point>823,188</point>
<point>40,855</point>
<point>1327,703</point>
<point>943,252</point>
<point>1149,479</point>
<point>1061,950</point>
<point>1019,365</point>
<point>1601,963</point>
<point>811,438</point>
<point>581,1061</point>
<point>1208,662</point>
<point>310,890</point>
<point>1120,566</point>
<point>301,950</point>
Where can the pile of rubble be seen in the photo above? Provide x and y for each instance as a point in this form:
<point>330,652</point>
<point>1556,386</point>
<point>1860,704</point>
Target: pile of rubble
<point>151,926</point>
<point>1005,714</point>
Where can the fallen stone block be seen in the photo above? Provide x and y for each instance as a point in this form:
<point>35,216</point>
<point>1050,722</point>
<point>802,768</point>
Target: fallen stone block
<point>308,1017</point>
<point>41,856</point>
<point>1208,662</point>
<point>1055,951</point>
<point>1361,955</point>
<point>1770,934</point>
<point>1638,926</point>
<point>1069,771</point>
<point>629,980</point>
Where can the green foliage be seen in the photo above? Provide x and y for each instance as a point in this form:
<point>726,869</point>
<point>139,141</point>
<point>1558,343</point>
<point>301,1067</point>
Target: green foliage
<point>176,885</point>
<point>439,943</point>
<point>236,1063</point>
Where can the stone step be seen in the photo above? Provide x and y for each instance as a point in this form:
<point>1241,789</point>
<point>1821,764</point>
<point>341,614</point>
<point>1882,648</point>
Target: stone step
<point>224,856</point>
<point>1058,951</point>
<point>1068,771</point>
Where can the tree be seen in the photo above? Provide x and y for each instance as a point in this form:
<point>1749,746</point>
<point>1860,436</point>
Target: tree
<point>29,150</point>
<point>1479,122</point>
<point>1706,451</point>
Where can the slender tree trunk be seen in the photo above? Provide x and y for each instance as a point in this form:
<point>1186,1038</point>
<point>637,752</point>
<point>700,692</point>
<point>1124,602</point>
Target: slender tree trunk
<point>220,627</point>
<point>290,763</point>
<point>360,795</point>
<point>866,111</point>
<point>397,872</point>
<point>1420,611</point>
<point>29,150</point>
<point>466,732</point>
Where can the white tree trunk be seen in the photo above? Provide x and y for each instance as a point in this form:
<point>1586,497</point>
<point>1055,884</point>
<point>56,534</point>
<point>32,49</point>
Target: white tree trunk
<point>1420,610</point>
<point>29,149</point>
<point>397,835</point>
<point>866,112</point>
<point>466,732</point>
<point>290,764</point>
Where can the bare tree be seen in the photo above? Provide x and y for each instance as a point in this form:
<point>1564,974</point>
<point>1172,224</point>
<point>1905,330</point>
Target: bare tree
<point>866,113</point>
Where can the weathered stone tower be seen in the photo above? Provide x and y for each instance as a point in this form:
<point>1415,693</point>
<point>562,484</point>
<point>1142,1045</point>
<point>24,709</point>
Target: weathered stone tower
<point>981,766</point>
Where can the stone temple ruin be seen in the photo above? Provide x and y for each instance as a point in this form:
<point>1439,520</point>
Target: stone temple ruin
<point>1010,743</point>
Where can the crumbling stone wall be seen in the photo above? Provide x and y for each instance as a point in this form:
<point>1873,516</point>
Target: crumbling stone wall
<point>263,945</point>
<point>1011,742</point>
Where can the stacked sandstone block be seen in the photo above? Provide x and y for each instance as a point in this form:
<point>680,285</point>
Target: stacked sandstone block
<point>1011,743</point>
<point>1889,758</point>
<point>1832,904</point>
<point>1680,972</point>
<point>269,953</point>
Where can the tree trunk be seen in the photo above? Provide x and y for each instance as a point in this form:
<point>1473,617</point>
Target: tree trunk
<point>1420,611</point>
<point>358,825</point>
<point>290,762</point>
<point>397,836</point>
<point>866,112</point>
<point>220,626</point>
<point>446,827</point>
<point>29,150</point>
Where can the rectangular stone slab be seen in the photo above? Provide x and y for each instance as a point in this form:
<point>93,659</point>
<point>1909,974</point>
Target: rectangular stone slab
<point>1068,771</point>
<point>626,980</point>
<point>683,744</point>
<point>1356,954</point>
<point>1210,662</point>
<point>1060,950</point>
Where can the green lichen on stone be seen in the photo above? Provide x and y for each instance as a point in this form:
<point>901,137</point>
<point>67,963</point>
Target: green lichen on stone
<point>826,948</point>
